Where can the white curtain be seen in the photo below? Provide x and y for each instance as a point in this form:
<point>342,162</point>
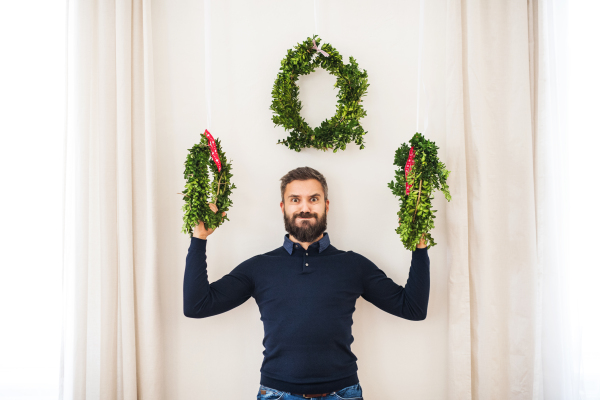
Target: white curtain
<point>494,292</point>
<point>513,326</point>
<point>558,328</point>
<point>111,339</point>
<point>493,289</point>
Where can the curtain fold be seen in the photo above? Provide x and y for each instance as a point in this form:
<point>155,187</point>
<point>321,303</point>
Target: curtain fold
<point>457,213</point>
<point>494,286</point>
<point>506,112</point>
<point>111,339</point>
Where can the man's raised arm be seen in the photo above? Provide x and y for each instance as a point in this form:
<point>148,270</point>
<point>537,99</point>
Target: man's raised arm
<point>409,302</point>
<point>201,299</point>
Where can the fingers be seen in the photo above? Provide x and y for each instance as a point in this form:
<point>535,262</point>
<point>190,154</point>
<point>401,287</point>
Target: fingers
<point>214,208</point>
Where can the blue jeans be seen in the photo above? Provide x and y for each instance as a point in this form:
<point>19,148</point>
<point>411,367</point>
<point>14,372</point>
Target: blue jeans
<point>353,392</point>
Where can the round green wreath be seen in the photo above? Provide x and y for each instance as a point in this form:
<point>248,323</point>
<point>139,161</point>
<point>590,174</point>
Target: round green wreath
<point>198,187</point>
<point>343,127</point>
<point>426,174</point>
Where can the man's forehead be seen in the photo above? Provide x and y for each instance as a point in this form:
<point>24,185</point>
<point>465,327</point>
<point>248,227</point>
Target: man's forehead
<point>309,187</point>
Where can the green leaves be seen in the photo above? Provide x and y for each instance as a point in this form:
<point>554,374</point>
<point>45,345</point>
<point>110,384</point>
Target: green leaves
<point>427,174</point>
<point>200,190</point>
<point>334,133</point>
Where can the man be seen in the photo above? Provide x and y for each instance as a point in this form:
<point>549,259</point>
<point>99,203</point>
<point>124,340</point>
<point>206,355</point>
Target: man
<point>306,291</point>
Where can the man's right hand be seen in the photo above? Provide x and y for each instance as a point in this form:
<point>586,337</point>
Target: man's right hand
<point>422,244</point>
<point>200,231</point>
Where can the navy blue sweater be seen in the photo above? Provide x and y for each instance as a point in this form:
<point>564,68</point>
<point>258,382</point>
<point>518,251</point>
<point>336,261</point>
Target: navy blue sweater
<point>306,300</point>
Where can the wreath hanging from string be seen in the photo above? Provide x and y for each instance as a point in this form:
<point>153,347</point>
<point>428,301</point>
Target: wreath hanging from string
<point>333,133</point>
<point>419,173</point>
<point>199,185</point>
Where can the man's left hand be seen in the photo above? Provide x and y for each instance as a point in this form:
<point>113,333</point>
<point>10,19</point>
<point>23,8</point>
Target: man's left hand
<point>422,244</point>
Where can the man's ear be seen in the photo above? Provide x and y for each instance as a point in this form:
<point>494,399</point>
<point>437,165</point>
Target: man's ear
<point>281,206</point>
<point>327,205</point>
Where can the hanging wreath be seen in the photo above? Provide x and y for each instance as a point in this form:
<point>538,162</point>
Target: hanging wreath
<point>419,173</point>
<point>198,185</point>
<point>334,133</point>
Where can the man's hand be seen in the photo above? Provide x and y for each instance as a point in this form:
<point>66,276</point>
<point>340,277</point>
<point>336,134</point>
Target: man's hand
<point>200,231</point>
<point>422,244</point>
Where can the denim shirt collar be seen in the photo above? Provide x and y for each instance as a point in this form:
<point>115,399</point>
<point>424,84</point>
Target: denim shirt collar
<point>288,245</point>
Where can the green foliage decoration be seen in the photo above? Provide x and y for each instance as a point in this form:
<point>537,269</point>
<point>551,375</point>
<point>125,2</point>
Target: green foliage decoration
<point>198,187</point>
<point>334,133</point>
<point>427,173</point>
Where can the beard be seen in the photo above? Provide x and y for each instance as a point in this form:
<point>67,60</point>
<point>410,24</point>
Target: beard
<point>308,231</point>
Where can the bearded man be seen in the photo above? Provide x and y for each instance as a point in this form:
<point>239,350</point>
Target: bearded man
<point>306,291</point>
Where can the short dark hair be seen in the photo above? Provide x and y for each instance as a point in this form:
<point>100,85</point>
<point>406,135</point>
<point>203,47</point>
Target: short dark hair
<point>303,174</point>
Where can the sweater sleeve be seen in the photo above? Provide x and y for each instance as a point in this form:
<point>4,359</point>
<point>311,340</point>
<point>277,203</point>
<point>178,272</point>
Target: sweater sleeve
<point>409,302</point>
<point>201,299</point>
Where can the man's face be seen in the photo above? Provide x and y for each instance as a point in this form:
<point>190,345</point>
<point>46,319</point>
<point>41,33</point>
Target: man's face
<point>305,210</point>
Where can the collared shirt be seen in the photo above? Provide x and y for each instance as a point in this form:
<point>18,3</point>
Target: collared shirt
<point>306,299</point>
<point>290,246</point>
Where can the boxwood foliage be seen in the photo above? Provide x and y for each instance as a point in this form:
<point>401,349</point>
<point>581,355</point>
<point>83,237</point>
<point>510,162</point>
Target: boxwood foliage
<point>333,133</point>
<point>200,190</point>
<point>427,174</point>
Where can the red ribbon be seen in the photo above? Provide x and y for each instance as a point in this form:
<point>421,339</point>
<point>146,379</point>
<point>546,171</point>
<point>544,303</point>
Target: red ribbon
<point>409,164</point>
<point>213,149</point>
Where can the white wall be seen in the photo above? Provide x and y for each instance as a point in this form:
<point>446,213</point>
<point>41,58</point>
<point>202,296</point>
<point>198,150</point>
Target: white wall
<point>220,357</point>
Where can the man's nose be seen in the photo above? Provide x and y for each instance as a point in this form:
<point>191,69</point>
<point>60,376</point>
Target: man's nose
<point>305,207</point>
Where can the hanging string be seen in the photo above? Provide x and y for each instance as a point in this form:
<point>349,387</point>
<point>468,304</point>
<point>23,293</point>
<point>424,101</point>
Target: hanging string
<point>316,26</point>
<point>207,62</point>
<point>420,58</point>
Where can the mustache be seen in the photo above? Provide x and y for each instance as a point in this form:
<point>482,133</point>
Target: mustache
<point>305,215</point>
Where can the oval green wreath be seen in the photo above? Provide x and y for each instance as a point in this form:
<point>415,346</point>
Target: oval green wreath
<point>198,187</point>
<point>343,127</point>
<point>427,173</point>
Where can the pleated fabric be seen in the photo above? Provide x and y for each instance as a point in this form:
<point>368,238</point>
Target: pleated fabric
<point>111,340</point>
